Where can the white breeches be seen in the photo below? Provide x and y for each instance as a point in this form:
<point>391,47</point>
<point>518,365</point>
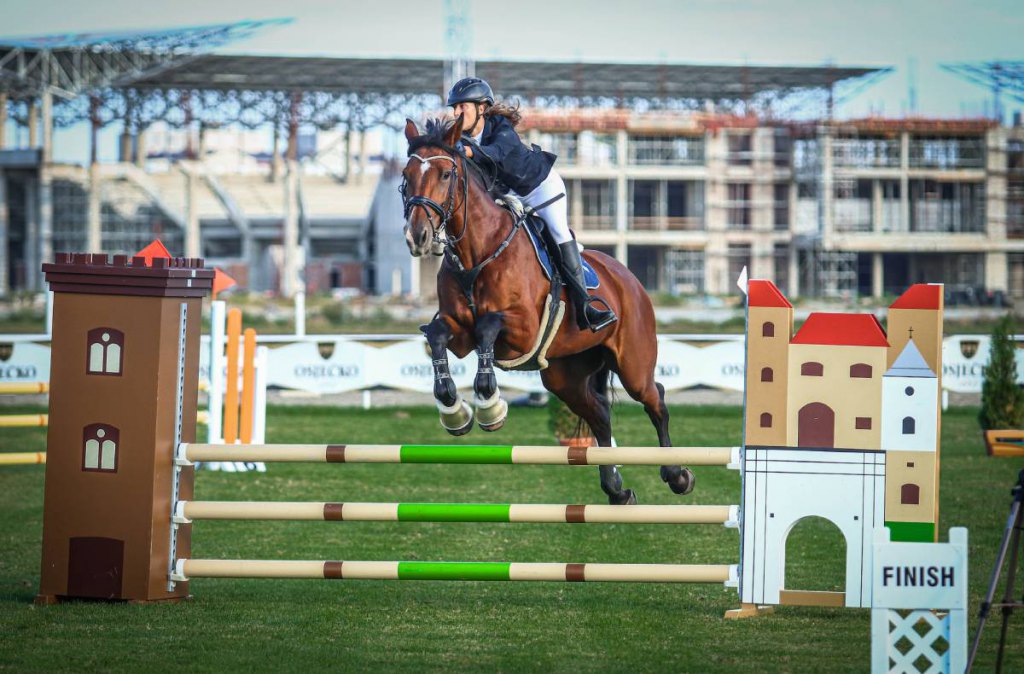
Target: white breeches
<point>557,214</point>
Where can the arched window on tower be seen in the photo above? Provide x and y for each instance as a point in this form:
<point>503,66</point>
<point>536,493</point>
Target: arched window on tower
<point>99,448</point>
<point>768,329</point>
<point>766,420</point>
<point>910,494</point>
<point>909,425</point>
<point>812,369</point>
<point>767,374</point>
<point>860,371</point>
<point>106,351</point>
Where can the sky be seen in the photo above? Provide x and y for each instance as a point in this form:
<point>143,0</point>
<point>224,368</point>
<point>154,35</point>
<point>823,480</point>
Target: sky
<point>912,36</point>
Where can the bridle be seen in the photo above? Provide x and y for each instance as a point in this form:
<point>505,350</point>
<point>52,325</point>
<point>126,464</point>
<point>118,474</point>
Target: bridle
<point>465,277</point>
<point>430,207</point>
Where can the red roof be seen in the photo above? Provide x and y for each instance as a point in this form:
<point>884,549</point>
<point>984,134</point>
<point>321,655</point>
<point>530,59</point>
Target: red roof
<point>920,296</point>
<point>764,294</point>
<point>841,330</point>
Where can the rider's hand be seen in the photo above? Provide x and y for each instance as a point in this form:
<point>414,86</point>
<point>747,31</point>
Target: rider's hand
<point>468,149</point>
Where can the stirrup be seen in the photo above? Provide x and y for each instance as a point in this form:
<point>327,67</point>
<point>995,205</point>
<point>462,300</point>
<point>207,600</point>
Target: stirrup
<point>587,303</point>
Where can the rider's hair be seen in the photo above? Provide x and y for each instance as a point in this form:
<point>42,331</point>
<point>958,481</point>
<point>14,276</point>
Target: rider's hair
<point>506,110</point>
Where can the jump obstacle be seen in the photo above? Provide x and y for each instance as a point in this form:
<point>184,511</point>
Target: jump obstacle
<point>237,402</point>
<point>134,437</point>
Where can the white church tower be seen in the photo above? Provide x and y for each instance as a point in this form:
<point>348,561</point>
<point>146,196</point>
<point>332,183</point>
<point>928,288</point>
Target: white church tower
<point>910,395</point>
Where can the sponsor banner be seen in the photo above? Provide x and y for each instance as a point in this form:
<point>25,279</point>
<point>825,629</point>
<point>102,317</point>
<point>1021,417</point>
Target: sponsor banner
<point>320,367</point>
<point>24,362</point>
<point>406,365</point>
<point>964,359</point>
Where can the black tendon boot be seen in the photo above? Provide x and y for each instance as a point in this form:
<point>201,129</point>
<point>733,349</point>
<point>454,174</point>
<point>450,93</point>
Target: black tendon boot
<point>587,315</point>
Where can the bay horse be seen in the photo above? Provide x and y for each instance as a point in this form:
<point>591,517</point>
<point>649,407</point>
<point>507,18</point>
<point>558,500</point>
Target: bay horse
<point>498,306</point>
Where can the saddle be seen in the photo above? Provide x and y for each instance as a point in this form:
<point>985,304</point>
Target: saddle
<point>554,309</point>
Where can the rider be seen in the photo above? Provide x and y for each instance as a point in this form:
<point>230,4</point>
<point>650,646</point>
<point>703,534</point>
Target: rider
<point>530,176</point>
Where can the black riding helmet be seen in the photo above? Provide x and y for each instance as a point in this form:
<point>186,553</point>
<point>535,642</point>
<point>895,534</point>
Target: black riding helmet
<point>470,90</point>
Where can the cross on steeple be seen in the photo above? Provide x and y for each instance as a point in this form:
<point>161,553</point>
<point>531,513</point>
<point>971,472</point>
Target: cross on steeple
<point>911,333</point>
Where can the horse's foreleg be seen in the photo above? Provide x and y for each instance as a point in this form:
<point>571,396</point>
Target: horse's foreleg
<point>491,410</point>
<point>456,414</point>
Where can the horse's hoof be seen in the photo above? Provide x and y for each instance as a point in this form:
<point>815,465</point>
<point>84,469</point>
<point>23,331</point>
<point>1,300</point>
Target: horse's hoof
<point>682,483</point>
<point>458,419</point>
<point>627,497</point>
<point>460,431</point>
<point>490,428</point>
<point>491,414</point>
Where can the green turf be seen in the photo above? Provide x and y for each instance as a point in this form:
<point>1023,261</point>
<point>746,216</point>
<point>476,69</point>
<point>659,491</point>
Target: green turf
<point>307,626</point>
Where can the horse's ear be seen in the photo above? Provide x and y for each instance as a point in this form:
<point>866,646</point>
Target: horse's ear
<point>455,132</point>
<point>410,129</point>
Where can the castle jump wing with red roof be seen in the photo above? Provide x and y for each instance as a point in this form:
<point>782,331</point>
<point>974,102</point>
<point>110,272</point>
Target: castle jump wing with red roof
<point>841,422</point>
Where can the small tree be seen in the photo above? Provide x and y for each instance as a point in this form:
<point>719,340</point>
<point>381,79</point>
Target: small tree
<point>1002,402</point>
<point>563,423</point>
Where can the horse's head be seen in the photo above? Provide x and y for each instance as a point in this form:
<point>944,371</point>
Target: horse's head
<point>429,182</point>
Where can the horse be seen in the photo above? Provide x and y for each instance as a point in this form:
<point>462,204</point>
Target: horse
<point>492,295</point>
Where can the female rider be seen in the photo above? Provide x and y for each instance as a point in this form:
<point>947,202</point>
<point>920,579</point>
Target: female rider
<point>529,174</point>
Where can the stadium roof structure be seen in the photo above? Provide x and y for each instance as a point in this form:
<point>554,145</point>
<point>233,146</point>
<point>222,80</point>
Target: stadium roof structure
<point>531,80</point>
<point>1002,77</point>
<point>70,63</point>
<point>173,76</point>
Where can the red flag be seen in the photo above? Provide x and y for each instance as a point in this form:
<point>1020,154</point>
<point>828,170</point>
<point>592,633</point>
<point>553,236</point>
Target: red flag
<point>155,249</point>
<point>221,281</point>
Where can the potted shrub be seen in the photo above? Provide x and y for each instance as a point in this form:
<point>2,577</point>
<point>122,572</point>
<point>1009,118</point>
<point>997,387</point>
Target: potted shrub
<point>568,428</point>
<point>1002,401</point>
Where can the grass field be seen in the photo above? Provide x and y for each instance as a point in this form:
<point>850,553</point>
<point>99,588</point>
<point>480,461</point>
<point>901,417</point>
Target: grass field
<point>267,625</point>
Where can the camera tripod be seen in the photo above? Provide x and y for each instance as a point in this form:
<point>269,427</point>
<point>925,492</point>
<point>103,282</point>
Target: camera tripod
<point>1012,544</point>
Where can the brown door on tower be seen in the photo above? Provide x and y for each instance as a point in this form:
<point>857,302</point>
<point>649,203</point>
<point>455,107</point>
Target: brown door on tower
<point>95,567</point>
<point>816,426</point>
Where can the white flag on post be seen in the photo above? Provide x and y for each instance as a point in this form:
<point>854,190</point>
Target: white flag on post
<point>741,282</point>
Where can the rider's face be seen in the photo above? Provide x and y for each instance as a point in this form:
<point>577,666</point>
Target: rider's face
<point>471,116</point>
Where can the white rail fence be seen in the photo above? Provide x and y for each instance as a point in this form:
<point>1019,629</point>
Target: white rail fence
<point>328,364</point>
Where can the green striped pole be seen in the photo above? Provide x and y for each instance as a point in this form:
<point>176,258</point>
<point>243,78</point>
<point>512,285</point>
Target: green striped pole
<point>187,511</point>
<point>186,569</point>
<point>465,454</point>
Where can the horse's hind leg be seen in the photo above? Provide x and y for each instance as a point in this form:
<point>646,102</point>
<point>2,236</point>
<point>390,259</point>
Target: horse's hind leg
<point>581,382</point>
<point>456,414</point>
<point>651,394</point>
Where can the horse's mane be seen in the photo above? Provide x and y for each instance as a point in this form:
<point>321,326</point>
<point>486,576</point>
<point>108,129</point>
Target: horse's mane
<point>434,135</point>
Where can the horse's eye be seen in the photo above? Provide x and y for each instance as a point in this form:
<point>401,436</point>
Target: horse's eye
<point>446,175</point>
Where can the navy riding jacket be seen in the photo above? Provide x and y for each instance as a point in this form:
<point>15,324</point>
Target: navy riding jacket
<point>519,167</point>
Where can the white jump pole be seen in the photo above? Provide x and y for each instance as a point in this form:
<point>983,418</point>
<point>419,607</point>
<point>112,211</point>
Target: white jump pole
<point>215,396</point>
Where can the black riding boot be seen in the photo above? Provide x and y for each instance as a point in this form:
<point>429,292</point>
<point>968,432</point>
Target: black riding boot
<point>587,315</point>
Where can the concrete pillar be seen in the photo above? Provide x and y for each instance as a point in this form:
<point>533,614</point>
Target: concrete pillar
<point>193,241</point>
<point>124,150</point>
<point>290,268</point>
<point>348,153</point>
<point>362,155</point>
<point>904,182</point>
<point>996,272</point>
<point>275,154</point>
<point>94,224</point>
<point>576,204</point>
<point>877,275</point>
<point>621,187</point>
<point>5,237</point>
<point>876,206</point>
<point>46,105</point>
<point>794,272</point>
<point>827,196</point>
<point>33,124</point>
<point>140,148</point>
<point>3,120</point>
<point>31,232</point>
